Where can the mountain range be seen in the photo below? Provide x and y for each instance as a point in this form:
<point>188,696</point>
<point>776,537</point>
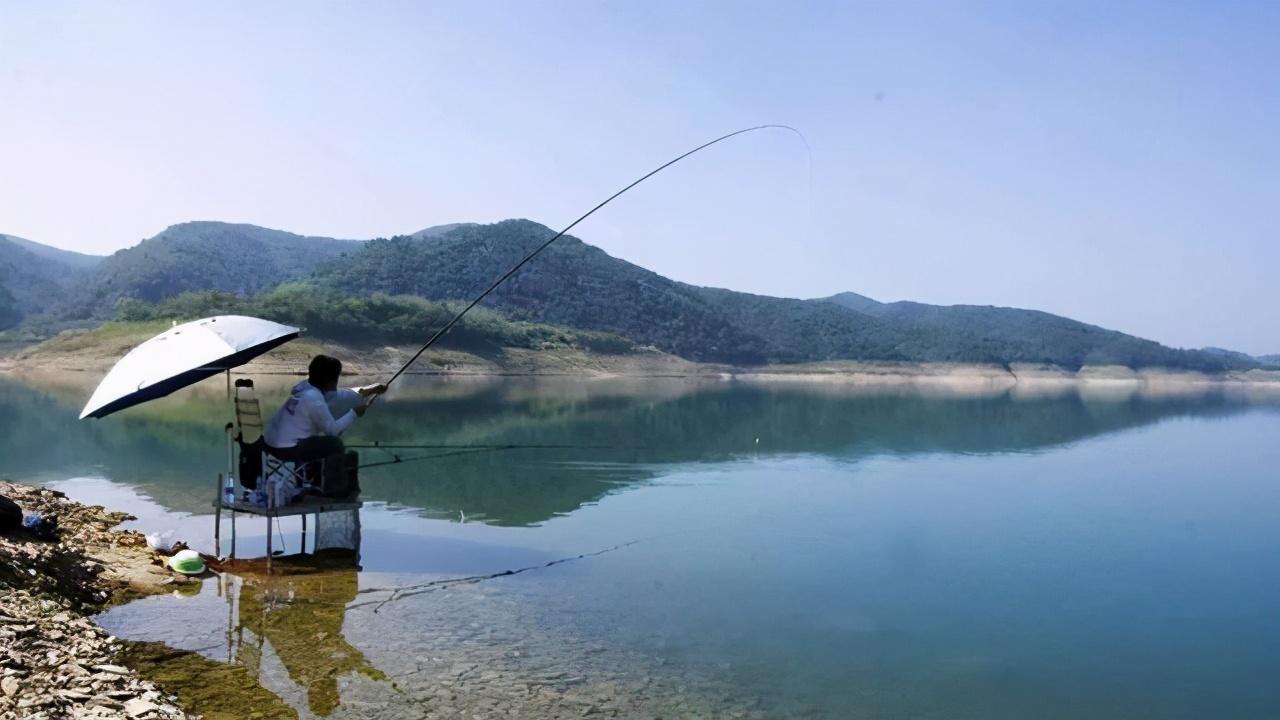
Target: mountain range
<point>572,284</point>
<point>35,279</point>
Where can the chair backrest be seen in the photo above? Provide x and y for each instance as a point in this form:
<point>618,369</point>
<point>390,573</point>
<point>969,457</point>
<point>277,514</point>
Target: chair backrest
<point>249,424</point>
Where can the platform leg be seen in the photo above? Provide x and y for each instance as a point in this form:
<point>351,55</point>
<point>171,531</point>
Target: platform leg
<point>225,581</point>
<point>303,549</point>
<point>268,543</point>
<point>355,523</point>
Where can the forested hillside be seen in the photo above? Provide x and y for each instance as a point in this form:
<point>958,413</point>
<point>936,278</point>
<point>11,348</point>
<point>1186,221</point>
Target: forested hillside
<point>195,256</point>
<point>374,319</point>
<point>1031,336</point>
<point>34,278</point>
<point>571,284</point>
<point>78,261</point>
<point>577,285</point>
<point>10,315</point>
<point>573,293</point>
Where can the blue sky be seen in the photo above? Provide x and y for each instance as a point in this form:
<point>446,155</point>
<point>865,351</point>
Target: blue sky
<point>1114,162</point>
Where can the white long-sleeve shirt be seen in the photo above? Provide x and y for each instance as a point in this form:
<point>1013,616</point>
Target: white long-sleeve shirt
<point>308,412</point>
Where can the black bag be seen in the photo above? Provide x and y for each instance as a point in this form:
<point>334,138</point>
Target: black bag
<point>10,514</point>
<point>251,463</point>
<point>341,476</point>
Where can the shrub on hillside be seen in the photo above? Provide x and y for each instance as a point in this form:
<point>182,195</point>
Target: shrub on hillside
<point>376,318</point>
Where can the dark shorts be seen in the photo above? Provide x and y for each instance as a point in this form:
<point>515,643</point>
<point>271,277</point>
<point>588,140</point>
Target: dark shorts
<point>316,447</point>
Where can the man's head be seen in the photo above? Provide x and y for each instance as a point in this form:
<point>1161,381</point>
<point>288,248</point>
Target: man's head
<point>324,371</point>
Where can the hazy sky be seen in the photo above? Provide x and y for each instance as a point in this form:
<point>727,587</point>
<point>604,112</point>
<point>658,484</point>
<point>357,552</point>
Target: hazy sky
<point>1114,162</point>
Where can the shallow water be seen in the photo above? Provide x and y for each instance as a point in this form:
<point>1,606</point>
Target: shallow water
<point>801,551</point>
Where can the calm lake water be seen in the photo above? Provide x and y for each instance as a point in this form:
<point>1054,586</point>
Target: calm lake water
<point>795,551</point>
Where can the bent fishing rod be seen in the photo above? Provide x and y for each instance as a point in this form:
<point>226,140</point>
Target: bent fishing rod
<point>457,318</point>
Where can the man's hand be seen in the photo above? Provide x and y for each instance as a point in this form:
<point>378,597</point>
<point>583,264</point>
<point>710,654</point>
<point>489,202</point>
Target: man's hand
<point>371,390</point>
<point>361,409</point>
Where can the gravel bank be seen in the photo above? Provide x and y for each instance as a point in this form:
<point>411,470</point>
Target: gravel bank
<point>54,661</point>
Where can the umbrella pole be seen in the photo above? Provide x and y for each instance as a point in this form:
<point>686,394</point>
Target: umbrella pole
<point>217,518</point>
<point>228,383</point>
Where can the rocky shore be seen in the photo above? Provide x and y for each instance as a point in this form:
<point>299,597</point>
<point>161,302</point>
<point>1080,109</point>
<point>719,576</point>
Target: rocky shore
<point>55,662</point>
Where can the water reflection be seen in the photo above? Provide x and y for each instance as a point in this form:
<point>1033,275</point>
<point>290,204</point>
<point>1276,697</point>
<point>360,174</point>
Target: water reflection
<point>289,646</point>
<point>172,449</point>
<point>301,616</point>
<point>292,619</point>
<point>883,552</point>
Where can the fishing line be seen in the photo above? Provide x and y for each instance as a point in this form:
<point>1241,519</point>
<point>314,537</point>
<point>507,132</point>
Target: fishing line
<point>405,591</point>
<point>457,318</point>
<point>492,446</point>
<point>397,459</point>
<point>471,450</point>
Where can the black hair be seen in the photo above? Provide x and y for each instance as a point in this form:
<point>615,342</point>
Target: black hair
<point>324,370</point>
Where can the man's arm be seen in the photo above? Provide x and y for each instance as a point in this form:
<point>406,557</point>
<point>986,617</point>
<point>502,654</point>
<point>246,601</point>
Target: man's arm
<point>322,420</point>
<point>345,399</point>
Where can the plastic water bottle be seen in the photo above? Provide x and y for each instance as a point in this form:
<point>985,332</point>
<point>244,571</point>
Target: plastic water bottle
<point>229,491</point>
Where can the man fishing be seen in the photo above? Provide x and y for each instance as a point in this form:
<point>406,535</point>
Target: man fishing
<point>309,425</point>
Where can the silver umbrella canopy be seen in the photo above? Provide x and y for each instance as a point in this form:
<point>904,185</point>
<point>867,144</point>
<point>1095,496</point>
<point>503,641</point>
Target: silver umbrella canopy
<point>184,355</point>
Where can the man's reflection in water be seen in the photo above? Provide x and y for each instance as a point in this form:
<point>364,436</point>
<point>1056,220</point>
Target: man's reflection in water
<point>301,615</point>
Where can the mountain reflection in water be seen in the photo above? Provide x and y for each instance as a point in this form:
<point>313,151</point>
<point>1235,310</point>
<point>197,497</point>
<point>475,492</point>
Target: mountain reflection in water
<point>171,449</point>
<point>945,552</point>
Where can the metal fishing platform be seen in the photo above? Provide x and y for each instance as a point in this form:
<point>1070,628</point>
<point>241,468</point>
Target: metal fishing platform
<point>336,521</point>
<point>314,506</point>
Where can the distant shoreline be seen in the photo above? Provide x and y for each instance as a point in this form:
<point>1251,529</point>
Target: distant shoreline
<point>92,353</point>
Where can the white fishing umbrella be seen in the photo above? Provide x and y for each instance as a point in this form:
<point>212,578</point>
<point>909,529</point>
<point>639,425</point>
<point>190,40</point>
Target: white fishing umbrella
<point>184,355</point>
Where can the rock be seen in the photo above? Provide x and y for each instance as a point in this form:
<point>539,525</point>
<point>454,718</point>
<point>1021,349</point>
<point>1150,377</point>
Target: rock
<point>113,669</point>
<point>9,685</point>
<point>138,707</point>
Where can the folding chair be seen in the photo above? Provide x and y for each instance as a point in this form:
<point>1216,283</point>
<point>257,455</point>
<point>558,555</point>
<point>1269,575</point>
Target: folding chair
<point>257,465</point>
